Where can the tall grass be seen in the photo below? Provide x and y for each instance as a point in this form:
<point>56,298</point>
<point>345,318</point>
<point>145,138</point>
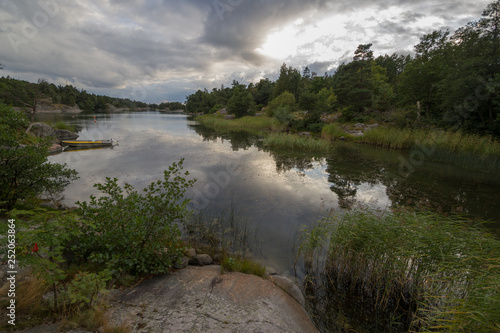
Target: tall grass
<point>295,142</point>
<point>220,124</point>
<point>62,125</point>
<point>334,132</point>
<point>428,271</point>
<point>221,233</point>
<point>391,137</point>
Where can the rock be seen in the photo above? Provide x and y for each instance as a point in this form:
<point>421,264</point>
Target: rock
<point>289,287</point>
<point>305,133</point>
<point>271,271</point>
<point>199,299</point>
<point>355,132</point>
<point>223,111</point>
<point>55,148</point>
<point>183,263</point>
<point>42,130</point>
<point>190,253</point>
<point>229,117</point>
<point>62,134</point>
<point>359,125</point>
<point>201,260</point>
<point>373,125</point>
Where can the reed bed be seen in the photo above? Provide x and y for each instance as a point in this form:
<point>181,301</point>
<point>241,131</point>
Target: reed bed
<point>296,142</point>
<point>420,271</point>
<point>62,125</point>
<point>224,233</point>
<point>220,124</point>
<point>391,137</point>
<point>334,132</point>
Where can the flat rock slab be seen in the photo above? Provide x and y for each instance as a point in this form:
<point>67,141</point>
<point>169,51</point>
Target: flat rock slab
<point>200,299</point>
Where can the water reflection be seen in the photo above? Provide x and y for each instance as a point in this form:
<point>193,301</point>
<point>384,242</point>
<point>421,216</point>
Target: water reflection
<point>278,191</point>
<point>368,175</point>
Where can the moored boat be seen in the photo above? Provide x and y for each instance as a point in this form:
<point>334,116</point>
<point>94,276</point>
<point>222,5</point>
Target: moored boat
<point>87,143</point>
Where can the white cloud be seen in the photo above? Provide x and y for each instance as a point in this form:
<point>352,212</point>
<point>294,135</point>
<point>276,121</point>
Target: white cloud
<point>119,46</point>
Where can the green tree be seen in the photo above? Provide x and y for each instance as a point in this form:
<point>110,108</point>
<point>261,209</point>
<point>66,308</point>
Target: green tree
<point>288,80</point>
<point>284,99</point>
<point>24,169</point>
<point>468,88</point>
<point>135,231</point>
<point>201,101</point>
<point>353,85</point>
<point>363,53</point>
<point>241,103</point>
<point>325,101</point>
<point>264,91</point>
<point>419,83</point>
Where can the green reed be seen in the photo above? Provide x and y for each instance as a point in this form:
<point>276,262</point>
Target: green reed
<point>296,142</point>
<point>429,271</point>
<point>220,124</point>
<point>334,132</point>
<point>456,141</point>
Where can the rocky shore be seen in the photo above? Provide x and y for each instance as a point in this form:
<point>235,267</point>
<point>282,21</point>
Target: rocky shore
<point>199,298</point>
<point>43,130</point>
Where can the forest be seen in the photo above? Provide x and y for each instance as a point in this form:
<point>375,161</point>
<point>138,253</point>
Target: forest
<point>20,93</point>
<point>451,81</point>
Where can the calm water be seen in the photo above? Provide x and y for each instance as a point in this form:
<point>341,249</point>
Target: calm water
<point>276,191</point>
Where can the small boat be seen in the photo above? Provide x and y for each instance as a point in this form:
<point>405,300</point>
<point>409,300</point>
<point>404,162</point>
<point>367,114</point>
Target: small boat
<point>87,143</point>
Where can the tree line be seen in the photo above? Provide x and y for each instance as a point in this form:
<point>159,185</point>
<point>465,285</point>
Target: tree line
<point>20,93</point>
<point>451,81</point>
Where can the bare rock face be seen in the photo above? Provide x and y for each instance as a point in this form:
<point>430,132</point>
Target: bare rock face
<point>65,135</point>
<point>289,287</point>
<point>201,260</point>
<point>42,130</point>
<point>199,299</point>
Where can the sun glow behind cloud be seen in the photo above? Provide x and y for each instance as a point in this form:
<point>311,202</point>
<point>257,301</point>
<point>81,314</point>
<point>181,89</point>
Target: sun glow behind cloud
<point>167,48</point>
<point>338,35</point>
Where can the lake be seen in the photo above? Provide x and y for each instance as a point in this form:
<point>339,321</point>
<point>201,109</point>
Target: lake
<point>276,192</point>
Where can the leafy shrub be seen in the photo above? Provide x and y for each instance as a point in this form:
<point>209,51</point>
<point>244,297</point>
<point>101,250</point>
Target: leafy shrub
<point>283,115</point>
<point>131,231</point>
<point>86,286</point>
<point>285,99</point>
<point>24,170</point>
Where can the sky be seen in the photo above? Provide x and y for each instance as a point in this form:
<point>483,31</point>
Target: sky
<point>163,50</point>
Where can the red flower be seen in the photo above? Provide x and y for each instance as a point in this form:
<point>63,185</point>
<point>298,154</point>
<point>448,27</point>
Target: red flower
<point>35,248</point>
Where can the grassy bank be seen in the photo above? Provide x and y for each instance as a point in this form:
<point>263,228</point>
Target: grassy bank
<point>218,123</point>
<point>62,125</point>
<point>410,271</point>
<point>391,137</point>
<point>296,142</point>
<point>334,132</point>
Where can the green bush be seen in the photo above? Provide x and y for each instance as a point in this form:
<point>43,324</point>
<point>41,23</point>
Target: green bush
<point>283,114</point>
<point>285,99</point>
<point>134,232</point>
<point>24,170</point>
<point>333,131</point>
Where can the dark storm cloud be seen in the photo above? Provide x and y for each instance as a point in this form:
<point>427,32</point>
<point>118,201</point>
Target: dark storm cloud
<point>126,45</point>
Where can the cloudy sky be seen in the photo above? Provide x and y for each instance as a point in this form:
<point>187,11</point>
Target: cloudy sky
<point>163,50</point>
